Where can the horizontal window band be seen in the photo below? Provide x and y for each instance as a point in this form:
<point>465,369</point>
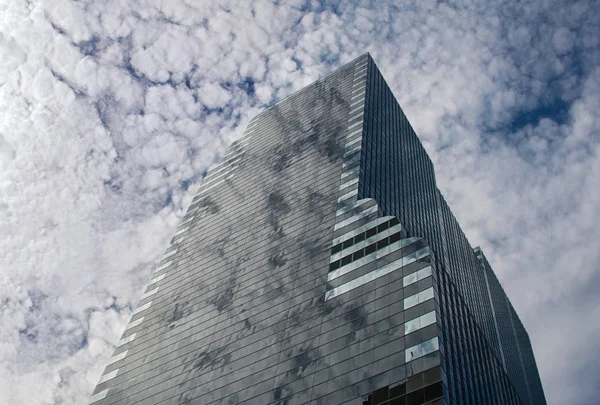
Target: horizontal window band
<point>142,308</point>
<point>98,397</point>
<point>355,124</point>
<point>420,322</point>
<point>176,241</point>
<point>187,220</point>
<point>368,233</point>
<point>209,180</point>
<point>134,323</point>
<point>360,114</point>
<point>157,279</point>
<point>357,109</point>
<point>348,183</point>
<point>169,254</point>
<point>179,232</point>
<point>364,251</point>
<point>350,161</point>
<point>357,102</point>
<point>215,184</point>
<point>416,276</point>
<point>126,340</point>
<point>358,95</point>
<point>218,169</point>
<point>108,376</point>
<point>351,171</point>
<point>422,349</point>
<point>361,241</point>
<point>348,195</point>
<point>192,208</point>
<point>360,229</point>
<point>149,293</point>
<point>353,133</point>
<point>355,218</point>
<point>225,174</point>
<point>233,155</point>
<point>164,266</point>
<point>359,75</point>
<point>350,207</point>
<point>418,298</point>
<point>352,151</point>
<point>116,358</point>
<point>360,81</point>
<point>204,190</point>
<point>376,255</point>
<point>362,89</point>
<point>367,278</point>
<point>354,141</point>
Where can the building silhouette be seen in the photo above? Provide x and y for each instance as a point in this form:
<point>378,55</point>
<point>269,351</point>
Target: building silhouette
<point>320,264</point>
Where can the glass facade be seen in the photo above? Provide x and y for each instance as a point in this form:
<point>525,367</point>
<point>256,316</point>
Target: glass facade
<point>319,264</point>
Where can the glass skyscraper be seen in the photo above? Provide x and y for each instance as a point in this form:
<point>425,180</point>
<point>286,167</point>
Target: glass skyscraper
<point>320,264</point>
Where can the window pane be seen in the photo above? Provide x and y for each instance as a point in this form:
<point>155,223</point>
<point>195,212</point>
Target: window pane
<point>428,319</point>
<point>411,301</point>
<point>412,326</point>
<point>426,295</point>
<point>411,278</point>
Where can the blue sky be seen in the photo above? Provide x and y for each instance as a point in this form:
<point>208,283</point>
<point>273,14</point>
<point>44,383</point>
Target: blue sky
<point>110,112</point>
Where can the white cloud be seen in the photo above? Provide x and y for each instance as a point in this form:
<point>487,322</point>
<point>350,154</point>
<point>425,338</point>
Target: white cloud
<point>563,40</point>
<point>107,108</point>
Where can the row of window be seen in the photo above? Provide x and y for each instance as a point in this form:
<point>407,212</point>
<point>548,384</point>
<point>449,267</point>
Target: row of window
<point>369,241</point>
<point>385,396</point>
<point>422,349</point>
<point>375,274</point>
<point>365,213</point>
<point>362,236</point>
<point>416,276</point>
<point>419,322</point>
<point>418,298</point>
<point>366,251</point>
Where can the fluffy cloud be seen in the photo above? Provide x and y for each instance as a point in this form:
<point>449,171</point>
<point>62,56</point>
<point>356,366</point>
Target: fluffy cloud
<point>111,112</point>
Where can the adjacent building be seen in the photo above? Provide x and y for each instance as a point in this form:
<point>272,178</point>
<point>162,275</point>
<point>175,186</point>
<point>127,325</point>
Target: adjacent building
<point>320,264</point>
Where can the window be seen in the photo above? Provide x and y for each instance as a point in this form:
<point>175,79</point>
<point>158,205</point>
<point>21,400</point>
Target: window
<point>420,322</point>
<point>416,276</point>
<point>420,350</point>
<point>418,298</point>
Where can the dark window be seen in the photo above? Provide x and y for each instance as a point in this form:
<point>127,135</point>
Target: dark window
<point>395,237</point>
<point>370,249</point>
<point>358,255</point>
<point>398,401</point>
<point>346,260</point>
<point>347,243</point>
<point>336,249</point>
<point>360,237</point>
<point>381,395</point>
<point>383,243</point>
<point>434,391</point>
<point>371,232</point>
<point>398,390</point>
<point>335,265</point>
<point>415,398</point>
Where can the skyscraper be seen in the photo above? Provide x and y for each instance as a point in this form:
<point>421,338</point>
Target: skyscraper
<point>320,264</point>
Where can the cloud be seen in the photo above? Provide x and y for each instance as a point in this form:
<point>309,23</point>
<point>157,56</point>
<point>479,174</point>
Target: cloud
<point>110,113</point>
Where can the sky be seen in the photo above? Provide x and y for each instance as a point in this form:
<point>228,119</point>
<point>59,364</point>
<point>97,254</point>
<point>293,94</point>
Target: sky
<point>112,111</point>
